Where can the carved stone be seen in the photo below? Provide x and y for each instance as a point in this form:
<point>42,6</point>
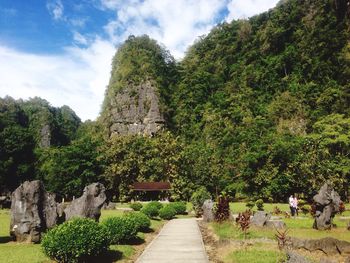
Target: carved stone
<point>33,211</point>
<point>89,204</point>
<point>327,203</point>
<point>208,214</point>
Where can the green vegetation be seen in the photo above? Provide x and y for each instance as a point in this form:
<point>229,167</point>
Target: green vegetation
<point>167,212</point>
<point>75,241</point>
<point>136,206</point>
<point>180,207</point>
<point>151,209</point>
<point>198,198</point>
<point>121,228</point>
<point>141,221</point>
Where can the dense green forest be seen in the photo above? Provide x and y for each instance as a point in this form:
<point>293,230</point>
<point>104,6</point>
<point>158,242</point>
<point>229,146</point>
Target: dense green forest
<point>258,108</point>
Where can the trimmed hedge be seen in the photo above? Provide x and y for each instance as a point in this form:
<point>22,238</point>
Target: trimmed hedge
<point>75,241</point>
<point>142,222</point>
<point>136,206</point>
<point>180,207</point>
<point>167,212</point>
<point>120,228</point>
<point>157,204</point>
<point>151,209</point>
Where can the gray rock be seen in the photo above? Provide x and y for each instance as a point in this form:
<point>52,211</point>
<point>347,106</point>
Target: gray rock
<point>327,260</point>
<point>109,206</point>
<point>89,204</point>
<point>208,213</point>
<point>327,203</point>
<point>136,110</point>
<point>45,136</point>
<point>279,224</point>
<point>33,211</point>
<point>294,257</point>
<point>260,218</point>
<point>330,246</point>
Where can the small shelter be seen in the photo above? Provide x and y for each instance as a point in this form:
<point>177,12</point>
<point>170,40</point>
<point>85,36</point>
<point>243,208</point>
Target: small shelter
<point>151,190</point>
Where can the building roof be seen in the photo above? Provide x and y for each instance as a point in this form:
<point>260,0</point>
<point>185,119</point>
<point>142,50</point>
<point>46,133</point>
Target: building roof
<point>151,186</point>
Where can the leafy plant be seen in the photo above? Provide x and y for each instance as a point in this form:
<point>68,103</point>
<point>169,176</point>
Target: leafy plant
<point>277,210</point>
<point>167,212</point>
<point>198,198</point>
<point>75,241</point>
<point>121,228</point>
<point>142,222</point>
<point>151,210</point>
<point>222,211</point>
<point>260,204</point>
<point>180,207</point>
<point>136,206</point>
<point>282,238</point>
<point>250,205</point>
<point>243,220</point>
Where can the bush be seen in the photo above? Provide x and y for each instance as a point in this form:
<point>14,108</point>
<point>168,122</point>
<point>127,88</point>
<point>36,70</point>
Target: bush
<point>120,228</point>
<point>151,210</point>
<point>136,206</point>
<point>156,204</point>
<point>222,212</point>
<point>305,209</point>
<point>180,207</point>
<point>142,222</point>
<point>167,212</point>
<point>250,205</point>
<point>198,198</point>
<point>75,241</point>
<point>260,204</point>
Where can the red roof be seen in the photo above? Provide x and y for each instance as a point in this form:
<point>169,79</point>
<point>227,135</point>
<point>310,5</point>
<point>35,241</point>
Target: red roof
<point>151,186</point>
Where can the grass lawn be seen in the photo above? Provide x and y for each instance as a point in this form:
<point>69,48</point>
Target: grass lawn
<point>12,252</point>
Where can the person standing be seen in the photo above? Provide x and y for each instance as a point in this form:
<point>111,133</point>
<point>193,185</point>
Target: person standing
<point>291,205</point>
<point>295,205</point>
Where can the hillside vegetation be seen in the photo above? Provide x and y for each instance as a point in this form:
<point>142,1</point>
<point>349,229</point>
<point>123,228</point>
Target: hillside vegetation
<point>258,108</point>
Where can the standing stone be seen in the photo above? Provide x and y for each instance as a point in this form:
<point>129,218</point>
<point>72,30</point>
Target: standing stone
<point>260,218</point>
<point>208,214</point>
<point>89,204</point>
<point>33,211</point>
<point>327,203</point>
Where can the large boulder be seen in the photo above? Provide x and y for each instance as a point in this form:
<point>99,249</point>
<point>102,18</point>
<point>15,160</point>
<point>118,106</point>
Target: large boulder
<point>208,213</point>
<point>33,211</point>
<point>294,257</point>
<point>327,203</point>
<point>275,224</point>
<point>89,204</point>
<point>260,218</point>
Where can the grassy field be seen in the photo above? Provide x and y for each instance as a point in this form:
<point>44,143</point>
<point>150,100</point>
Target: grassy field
<point>12,252</point>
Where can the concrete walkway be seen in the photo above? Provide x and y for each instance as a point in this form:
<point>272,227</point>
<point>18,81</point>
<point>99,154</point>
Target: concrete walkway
<point>180,240</point>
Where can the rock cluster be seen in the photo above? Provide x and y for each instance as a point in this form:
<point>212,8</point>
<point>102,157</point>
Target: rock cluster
<point>263,219</point>
<point>328,245</point>
<point>136,110</point>
<point>33,210</point>
<point>327,203</point>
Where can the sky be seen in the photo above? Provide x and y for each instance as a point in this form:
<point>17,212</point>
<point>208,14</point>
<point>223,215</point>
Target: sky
<point>61,50</point>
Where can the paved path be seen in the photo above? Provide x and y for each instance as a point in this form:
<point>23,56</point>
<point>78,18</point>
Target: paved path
<point>179,241</point>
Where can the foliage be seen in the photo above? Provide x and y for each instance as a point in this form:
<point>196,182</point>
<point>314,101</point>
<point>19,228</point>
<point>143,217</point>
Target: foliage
<point>243,220</point>
<point>222,210</point>
<point>180,207</point>
<point>75,241</point>
<point>342,208</point>
<point>142,222</point>
<point>198,198</point>
<point>120,228</point>
<point>250,204</point>
<point>260,204</point>
<point>167,212</point>
<point>136,206</point>
<point>157,204</point>
<point>151,210</point>
<point>282,238</point>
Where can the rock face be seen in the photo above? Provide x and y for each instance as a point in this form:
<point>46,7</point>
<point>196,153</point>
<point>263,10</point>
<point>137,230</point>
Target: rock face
<point>279,224</point>
<point>208,214</point>
<point>89,204</point>
<point>33,210</point>
<point>327,203</point>
<point>294,257</point>
<point>260,218</point>
<point>328,245</point>
<point>136,110</point>
<point>45,136</point>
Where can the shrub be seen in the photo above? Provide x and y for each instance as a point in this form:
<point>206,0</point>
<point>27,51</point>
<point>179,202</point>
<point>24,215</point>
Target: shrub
<point>198,198</point>
<point>341,208</point>
<point>142,222</point>
<point>260,204</point>
<point>120,228</point>
<point>151,210</point>
<point>250,205</point>
<point>136,206</point>
<point>222,212</point>
<point>305,209</point>
<point>156,204</point>
<point>180,207</point>
<point>167,212</point>
<point>75,241</point>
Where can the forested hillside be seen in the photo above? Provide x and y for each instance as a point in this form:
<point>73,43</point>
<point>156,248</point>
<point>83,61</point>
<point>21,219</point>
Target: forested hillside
<point>258,108</point>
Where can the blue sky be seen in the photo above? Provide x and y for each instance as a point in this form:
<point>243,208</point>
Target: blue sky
<point>61,50</point>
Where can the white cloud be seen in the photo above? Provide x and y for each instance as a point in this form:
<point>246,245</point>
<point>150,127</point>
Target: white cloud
<point>77,78</point>
<point>176,24</point>
<point>246,8</point>
<point>55,8</point>
<point>79,38</point>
